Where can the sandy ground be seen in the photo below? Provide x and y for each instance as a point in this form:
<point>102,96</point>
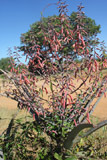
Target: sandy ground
<point>8,107</point>
<point>100,110</point>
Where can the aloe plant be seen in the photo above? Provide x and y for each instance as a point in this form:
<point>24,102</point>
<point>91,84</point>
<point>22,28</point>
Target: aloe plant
<point>62,102</point>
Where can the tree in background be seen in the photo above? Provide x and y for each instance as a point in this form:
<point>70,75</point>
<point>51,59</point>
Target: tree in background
<point>36,33</point>
<point>89,24</point>
<point>4,64</point>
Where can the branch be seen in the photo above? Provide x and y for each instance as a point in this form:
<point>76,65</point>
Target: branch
<point>79,86</point>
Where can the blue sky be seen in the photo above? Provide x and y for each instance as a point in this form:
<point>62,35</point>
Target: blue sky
<point>17,15</point>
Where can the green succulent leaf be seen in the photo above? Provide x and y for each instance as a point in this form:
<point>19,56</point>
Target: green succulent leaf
<point>72,135</point>
<point>51,86</point>
<point>71,158</point>
<point>57,156</point>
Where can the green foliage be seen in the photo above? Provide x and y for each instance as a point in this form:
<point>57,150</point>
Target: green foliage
<point>4,64</point>
<point>37,30</point>
<point>93,147</point>
<point>89,24</point>
<point>1,75</point>
<point>30,141</point>
<point>27,140</point>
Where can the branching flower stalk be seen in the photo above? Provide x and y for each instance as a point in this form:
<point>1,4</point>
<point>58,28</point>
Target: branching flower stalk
<point>61,97</point>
